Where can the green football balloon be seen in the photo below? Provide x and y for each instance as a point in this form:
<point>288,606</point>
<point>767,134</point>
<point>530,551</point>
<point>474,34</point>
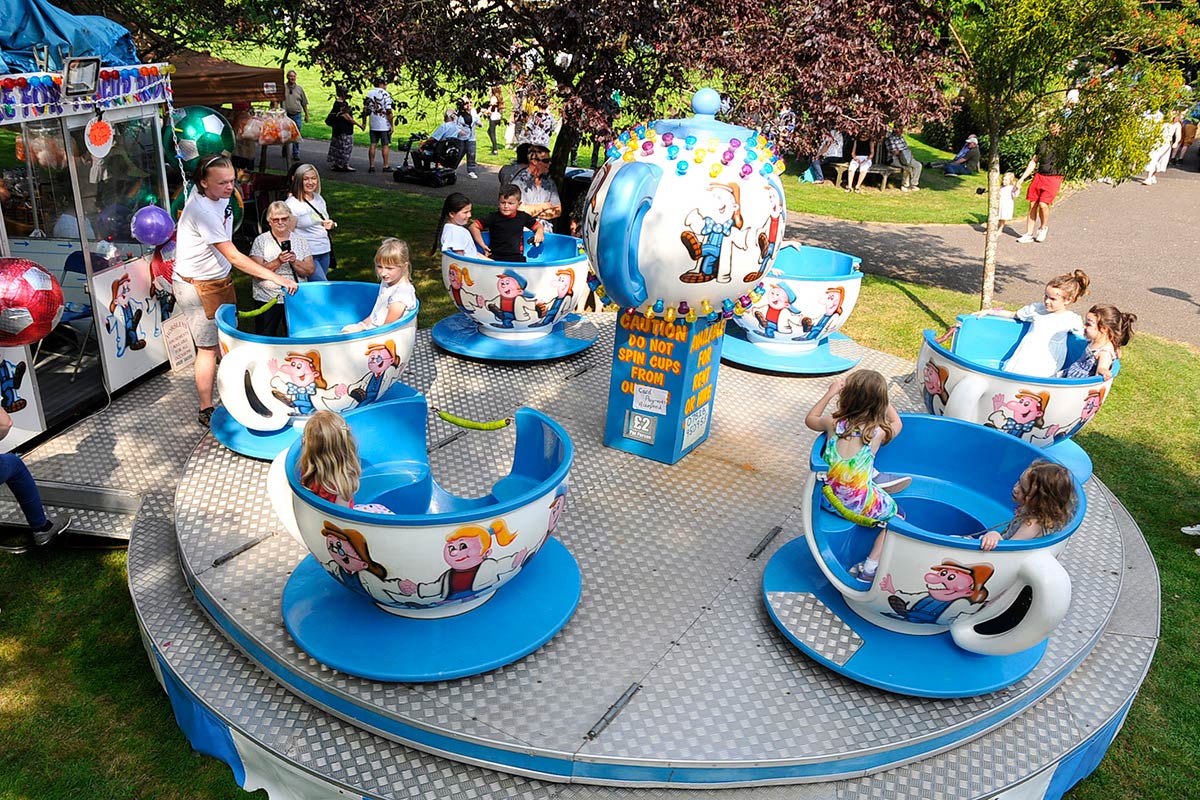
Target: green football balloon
<point>235,202</point>
<point>198,132</point>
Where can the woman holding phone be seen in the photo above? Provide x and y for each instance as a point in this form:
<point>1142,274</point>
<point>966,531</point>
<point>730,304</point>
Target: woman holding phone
<point>313,224</point>
<point>284,254</point>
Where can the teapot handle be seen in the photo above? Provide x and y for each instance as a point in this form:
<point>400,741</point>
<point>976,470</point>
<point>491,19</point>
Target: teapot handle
<point>629,197</point>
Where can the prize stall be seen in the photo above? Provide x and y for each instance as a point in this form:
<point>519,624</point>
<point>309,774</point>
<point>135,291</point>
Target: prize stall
<point>81,161</point>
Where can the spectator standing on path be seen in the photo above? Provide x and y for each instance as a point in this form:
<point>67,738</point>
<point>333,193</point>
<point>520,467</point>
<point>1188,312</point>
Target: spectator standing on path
<point>341,142</point>
<point>495,112</point>
<point>897,145</point>
<point>539,126</point>
<point>539,195</point>
<point>295,105</point>
<point>15,475</point>
<point>468,118</point>
<point>1043,189</point>
<point>377,111</point>
<point>965,162</point>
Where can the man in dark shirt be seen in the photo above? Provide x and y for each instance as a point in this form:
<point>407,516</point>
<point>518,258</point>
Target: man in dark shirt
<point>1043,189</point>
<point>506,228</point>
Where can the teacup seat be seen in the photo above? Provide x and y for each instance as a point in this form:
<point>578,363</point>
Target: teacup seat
<point>803,301</point>
<point>439,564</point>
<point>942,618</point>
<point>967,382</point>
<point>268,383</point>
<point>516,311</point>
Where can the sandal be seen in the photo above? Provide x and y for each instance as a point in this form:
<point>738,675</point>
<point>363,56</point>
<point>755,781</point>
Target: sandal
<point>204,417</point>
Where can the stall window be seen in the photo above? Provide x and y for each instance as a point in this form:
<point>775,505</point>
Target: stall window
<point>36,195</point>
<point>118,177</point>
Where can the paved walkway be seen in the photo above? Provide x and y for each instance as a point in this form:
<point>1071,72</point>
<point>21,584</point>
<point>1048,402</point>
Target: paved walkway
<point>1136,242</point>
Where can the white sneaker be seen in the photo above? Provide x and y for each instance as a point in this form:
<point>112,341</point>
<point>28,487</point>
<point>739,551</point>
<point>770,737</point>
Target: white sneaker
<point>904,188</point>
<point>1025,239</point>
<point>1041,235</point>
<point>892,483</point>
<point>914,188</point>
<point>1191,530</point>
<point>472,176</point>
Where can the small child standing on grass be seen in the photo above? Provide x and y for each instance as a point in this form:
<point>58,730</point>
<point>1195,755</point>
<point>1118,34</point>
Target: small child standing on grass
<point>864,421</point>
<point>506,228</point>
<point>396,293</point>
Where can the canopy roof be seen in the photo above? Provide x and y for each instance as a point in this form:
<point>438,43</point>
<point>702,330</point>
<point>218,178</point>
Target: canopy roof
<point>203,79</point>
<point>26,24</point>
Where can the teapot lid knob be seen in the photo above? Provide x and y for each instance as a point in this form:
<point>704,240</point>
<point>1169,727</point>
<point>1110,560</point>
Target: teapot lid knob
<point>706,102</point>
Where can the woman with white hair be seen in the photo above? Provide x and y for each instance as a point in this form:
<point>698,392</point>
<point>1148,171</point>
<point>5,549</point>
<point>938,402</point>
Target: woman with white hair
<point>285,254</point>
<point>312,218</point>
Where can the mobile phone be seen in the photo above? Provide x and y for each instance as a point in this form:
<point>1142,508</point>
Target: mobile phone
<point>286,246</point>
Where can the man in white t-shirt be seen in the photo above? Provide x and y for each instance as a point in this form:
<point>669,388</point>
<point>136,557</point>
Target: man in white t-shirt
<point>377,110</point>
<point>204,253</point>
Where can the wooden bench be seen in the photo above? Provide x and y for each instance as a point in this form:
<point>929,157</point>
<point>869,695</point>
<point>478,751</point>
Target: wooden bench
<point>884,172</point>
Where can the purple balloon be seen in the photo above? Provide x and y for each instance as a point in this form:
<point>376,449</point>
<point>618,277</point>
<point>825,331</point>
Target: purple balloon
<point>151,226</point>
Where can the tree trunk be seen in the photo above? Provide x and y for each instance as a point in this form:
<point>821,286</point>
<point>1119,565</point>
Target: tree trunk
<point>993,235</point>
<point>568,139</point>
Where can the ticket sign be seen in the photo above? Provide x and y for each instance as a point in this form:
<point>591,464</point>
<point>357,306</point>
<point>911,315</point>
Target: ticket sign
<point>663,380</point>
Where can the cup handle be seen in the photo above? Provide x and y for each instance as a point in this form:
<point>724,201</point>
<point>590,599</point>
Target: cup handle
<point>1051,588</point>
<point>629,197</point>
<point>814,547</point>
<point>282,499</point>
<point>965,398</point>
<point>242,369</point>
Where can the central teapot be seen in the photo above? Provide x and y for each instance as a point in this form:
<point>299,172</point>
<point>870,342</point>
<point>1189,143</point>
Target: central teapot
<point>686,215</point>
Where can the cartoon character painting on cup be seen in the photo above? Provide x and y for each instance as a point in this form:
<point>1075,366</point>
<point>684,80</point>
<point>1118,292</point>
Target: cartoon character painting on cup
<point>808,295</point>
<point>686,214</point>
<point>267,383</point>
<point>518,300</point>
<point>966,382</point>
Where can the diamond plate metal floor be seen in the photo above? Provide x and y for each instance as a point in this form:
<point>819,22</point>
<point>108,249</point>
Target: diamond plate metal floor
<point>671,602</point>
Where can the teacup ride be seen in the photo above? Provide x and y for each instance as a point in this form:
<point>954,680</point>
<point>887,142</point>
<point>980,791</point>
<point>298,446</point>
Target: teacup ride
<point>807,296</point>
<point>516,311</point>
<point>269,385</point>
<point>941,618</point>
<point>442,586</point>
<point>967,382</point>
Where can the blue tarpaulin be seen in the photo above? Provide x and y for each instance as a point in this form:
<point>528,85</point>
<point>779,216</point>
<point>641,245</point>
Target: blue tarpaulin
<point>26,24</point>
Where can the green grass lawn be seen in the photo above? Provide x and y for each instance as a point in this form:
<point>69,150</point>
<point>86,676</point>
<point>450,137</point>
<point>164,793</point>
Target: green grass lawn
<point>82,715</point>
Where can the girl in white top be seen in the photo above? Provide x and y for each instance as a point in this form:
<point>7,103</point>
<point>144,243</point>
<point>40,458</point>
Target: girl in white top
<point>396,292</point>
<point>312,218</point>
<point>1043,348</point>
<point>452,234</point>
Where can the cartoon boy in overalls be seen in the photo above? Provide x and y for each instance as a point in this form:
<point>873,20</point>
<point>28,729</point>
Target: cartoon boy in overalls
<point>126,328</point>
<point>513,304</point>
<point>780,311</point>
<point>564,300</point>
<point>707,233</point>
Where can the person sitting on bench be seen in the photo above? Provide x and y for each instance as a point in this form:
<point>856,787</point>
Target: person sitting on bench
<point>14,473</point>
<point>425,156</point>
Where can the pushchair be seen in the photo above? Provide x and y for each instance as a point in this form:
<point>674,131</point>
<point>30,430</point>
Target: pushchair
<point>445,157</point>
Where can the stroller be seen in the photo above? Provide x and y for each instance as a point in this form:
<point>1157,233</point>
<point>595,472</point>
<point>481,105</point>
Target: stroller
<point>446,156</point>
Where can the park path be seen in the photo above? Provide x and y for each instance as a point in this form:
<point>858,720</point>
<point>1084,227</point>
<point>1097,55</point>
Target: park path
<point>1138,243</point>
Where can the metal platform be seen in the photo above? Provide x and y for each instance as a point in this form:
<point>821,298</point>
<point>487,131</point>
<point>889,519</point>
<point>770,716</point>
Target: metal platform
<point>670,673</point>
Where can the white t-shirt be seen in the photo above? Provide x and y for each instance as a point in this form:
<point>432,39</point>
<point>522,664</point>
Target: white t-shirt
<point>310,224</point>
<point>377,103</point>
<point>266,248</point>
<point>834,141</point>
<point>456,237</point>
<point>204,223</point>
<point>399,292</point>
<point>1043,349</point>
<point>1008,198</point>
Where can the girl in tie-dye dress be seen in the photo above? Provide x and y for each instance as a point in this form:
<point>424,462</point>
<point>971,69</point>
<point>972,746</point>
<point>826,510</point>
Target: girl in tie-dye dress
<point>863,422</point>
